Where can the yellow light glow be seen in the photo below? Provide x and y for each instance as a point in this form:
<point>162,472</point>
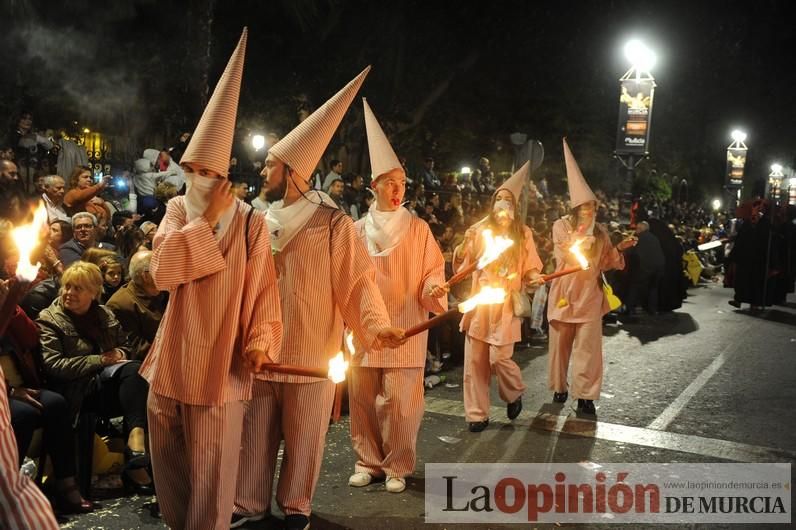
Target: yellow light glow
<point>349,342</point>
<point>575,249</point>
<point>337,368</point>
<point>486,296</point>
<point>26,237</point>
<point>493,248</point>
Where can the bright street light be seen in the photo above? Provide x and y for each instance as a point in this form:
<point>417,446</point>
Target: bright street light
<point>716,204</point>
<point>465,170</point>
<point>640,56</point>
<point>258,141</point>
<point>738,135</point>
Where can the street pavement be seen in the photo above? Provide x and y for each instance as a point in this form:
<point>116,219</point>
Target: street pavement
<point>706,383</point>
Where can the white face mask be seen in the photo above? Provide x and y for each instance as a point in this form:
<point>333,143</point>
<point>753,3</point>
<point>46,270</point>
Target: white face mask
<point>197,197</point>
<point>504,206</point>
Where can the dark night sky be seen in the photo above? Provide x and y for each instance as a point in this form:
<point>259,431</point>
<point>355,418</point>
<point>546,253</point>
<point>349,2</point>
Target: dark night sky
<point>548,69</point>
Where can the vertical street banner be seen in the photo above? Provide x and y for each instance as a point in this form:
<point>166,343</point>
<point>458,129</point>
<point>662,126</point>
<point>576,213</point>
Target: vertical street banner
<point>736,161</point>
<point>635,116</point>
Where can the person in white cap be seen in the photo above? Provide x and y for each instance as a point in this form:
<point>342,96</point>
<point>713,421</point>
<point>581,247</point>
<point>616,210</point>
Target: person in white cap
<point>386,387</point>
<point>213,256</point>
<point>576,303</point>
<point>491,330</point>
<point>325,278</point>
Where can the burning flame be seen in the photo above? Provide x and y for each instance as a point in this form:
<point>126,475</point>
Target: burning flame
<point>26,238</point>
<point>337,368</point>
<point>493,248</point>
<point>486,296</point>
<point>575,249</point>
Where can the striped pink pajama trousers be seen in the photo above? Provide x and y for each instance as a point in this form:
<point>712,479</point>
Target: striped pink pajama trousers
<point>299,414</point>
<point>22,505</point>
<point>386,410</point>
<point>195,453</point>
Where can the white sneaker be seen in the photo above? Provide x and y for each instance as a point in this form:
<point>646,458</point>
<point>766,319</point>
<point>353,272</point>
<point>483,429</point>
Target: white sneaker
<point>360,479</point>
<point>395,484</point>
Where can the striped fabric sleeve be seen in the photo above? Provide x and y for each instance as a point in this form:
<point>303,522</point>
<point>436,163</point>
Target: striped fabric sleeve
<point>262,313</point>
<point>184,252</point>
<point>433,274</point>
<point>354,284</point>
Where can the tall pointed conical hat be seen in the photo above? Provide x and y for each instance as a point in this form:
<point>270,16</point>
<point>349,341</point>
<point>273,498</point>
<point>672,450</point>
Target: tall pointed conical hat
<point>303,147</point>
<point>211,144</point>
<point>382,157</point>
<point>517,181</point>
<point>579,191</point>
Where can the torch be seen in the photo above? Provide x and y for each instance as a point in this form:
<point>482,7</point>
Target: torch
<point>336,372</point>
<point>487,296</point>
<point>26,238</point>
<point>583,263</point>
<point>493,248</point>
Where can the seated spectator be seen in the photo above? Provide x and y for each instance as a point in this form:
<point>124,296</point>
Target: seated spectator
<point>112,276</point>
<point>60,233</point>
<point>131,239</point>
<point>86,360</point>
<point>83,194</point>
<point>164,192</point>
<point>149,229</point>
<point>429,178</point>
<point>84,225</point>
<point>139,305</point>
<point>53,197</point>
<point>240,188</point>
<point>13,203</point>
<point>336,173</point>
<point>354,196</point>
<point>336,193</point>
<point>33,407</point>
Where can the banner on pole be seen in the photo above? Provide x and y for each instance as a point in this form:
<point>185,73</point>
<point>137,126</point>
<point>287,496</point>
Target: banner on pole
<point>736,161</point>
<point>635,116</point>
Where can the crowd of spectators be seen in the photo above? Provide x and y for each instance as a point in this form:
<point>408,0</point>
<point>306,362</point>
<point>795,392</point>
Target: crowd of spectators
<point>82,328</point>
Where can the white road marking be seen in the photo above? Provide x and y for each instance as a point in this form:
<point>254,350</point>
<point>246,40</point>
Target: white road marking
<point>573,425</point>
<point>668,415</point>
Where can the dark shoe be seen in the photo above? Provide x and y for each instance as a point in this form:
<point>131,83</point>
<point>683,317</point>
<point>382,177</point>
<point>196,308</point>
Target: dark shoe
<point>131,486</point>
<point>560,397</point>
<point>734,303</point>
<point>66,507</point>
<point>478,426</point>
<point>135,459</point>
<point>513,409</point>
<point>586,406</point>
<point>240,519</point>
<point>297,521</point>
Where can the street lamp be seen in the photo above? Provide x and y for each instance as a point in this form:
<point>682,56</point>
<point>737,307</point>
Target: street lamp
<point>636,91</point>
<point>775,181</point>
<point>738,136</point>
<point>258,141</point>
<point>640,56</point>
<point>716,204</point>
<point>465,170</point>
<point>736,162</point>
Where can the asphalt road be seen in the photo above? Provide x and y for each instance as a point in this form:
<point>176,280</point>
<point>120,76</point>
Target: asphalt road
<point>707,383</point>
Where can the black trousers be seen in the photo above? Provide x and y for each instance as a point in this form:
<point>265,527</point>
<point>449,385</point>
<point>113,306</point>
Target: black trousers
<point>58,439</point>
<point>122,394</point>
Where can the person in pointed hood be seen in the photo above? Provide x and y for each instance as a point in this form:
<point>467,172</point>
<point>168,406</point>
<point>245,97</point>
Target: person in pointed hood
<point>577,303</point>
<point>326,278</point>
<point>491,330</point>
<point>213,256</point>
<point>386,387</point>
